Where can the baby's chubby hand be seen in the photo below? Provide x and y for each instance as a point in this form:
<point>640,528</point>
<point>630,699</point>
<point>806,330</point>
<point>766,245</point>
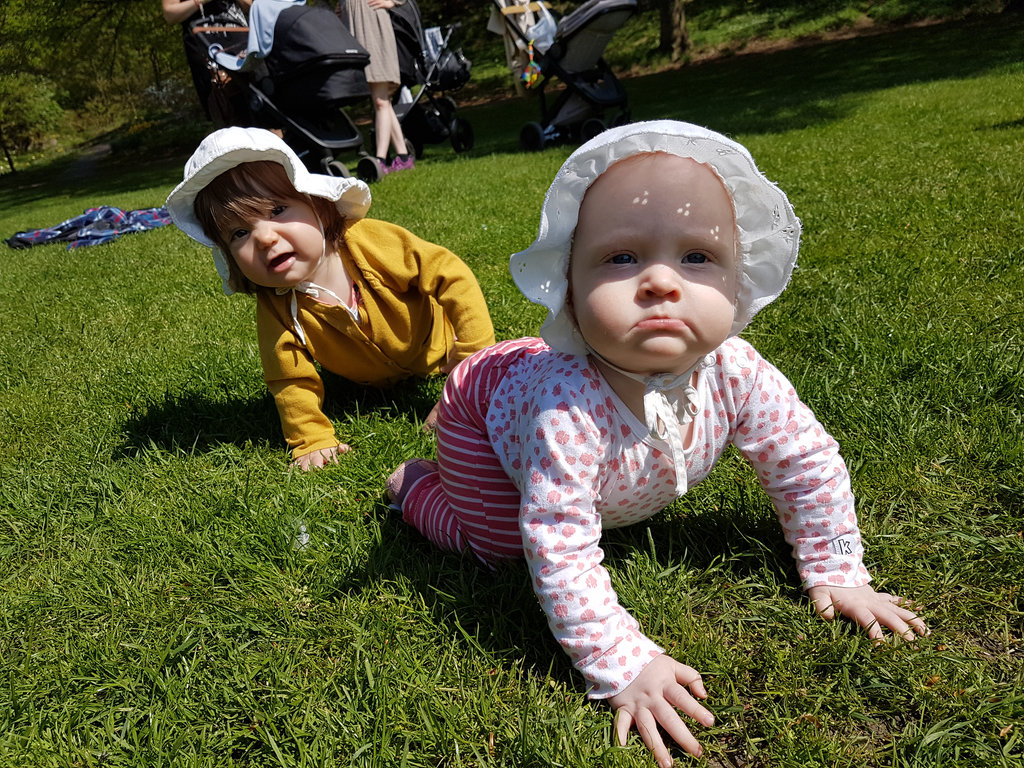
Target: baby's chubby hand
<point>652,699</point>
<point>871,610</point>
<point>318,459</point>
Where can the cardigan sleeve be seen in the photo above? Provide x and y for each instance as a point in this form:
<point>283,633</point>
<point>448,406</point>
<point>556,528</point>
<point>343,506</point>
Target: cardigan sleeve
<point>295,383</point>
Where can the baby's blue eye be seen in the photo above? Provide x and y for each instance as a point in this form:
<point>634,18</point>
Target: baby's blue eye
<point>237,234</point>
<point>277,210</point>
<point>622,258</point>
<point>695,258</point>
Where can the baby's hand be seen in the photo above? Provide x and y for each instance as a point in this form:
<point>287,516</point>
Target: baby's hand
<point>318,459</point>
<point>872,610</point>
<point>652,699</point>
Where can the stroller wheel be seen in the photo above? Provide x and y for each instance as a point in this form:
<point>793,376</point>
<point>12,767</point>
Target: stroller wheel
<point>369,169</point>
<point>336,168</point>
<point>531,138</point>
<point>591,127</point>
<point>462,135</point>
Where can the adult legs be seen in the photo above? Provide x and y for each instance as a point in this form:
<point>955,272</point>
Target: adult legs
<point>386,125</point>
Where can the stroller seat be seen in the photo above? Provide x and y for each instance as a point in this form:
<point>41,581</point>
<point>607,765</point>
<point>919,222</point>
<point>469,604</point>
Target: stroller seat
<point>575,57</point>
<point>302,66</point>
<point>582,37</point>
<point>314,60</point>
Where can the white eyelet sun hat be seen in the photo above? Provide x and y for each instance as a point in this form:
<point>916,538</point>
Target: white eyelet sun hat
<point>223,150</point>
<point>768,229</point>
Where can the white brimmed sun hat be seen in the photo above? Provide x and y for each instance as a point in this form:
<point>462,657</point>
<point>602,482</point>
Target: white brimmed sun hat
<point>768,229</point>
<point>224,149</point>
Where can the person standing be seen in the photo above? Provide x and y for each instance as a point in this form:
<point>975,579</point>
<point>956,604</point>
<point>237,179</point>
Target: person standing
<point>190,13</point>
<point>370,23</point>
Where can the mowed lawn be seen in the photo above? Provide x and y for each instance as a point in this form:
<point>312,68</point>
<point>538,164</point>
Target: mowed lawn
<point>158,607</point>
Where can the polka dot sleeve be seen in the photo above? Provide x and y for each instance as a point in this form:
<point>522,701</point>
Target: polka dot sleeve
<point>798,465</point>
<point>564,451</point>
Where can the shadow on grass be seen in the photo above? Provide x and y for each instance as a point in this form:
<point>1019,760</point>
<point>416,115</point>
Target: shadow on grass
<point>95,175</point>
<point>198,422</point>
<point>195,421</point>
<point>734,536</point>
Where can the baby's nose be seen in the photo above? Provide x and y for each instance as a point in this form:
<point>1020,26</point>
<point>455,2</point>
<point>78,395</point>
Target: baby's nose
<point>264,232</point>
<point>660,280</point>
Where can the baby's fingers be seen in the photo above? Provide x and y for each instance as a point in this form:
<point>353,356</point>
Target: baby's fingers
<point>909,616</point>
<point>690,678</point>
<point>902,622</point>
<point>874,620</point>
<point>681,699</point>
<point>623,722</point>
<point>822,600</point>
<point>647,726</point>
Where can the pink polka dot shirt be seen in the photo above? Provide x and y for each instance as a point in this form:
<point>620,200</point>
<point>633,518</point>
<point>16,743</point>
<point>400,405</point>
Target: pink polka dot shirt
<point>583,462</point>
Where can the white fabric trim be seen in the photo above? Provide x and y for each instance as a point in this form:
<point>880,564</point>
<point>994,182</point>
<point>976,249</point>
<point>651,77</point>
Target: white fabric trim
<point>312,290</point>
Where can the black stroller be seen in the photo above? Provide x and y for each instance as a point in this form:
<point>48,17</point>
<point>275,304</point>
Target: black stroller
<point>575,58</point>
<point>425,60</point>
<point>302,66</point>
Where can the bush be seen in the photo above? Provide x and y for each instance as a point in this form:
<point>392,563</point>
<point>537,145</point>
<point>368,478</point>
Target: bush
<point>29,112</point>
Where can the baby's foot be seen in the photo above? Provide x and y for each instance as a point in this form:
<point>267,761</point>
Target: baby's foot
<point>405,477</point>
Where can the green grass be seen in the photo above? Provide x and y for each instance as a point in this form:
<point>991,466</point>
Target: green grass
<point>154,609</point>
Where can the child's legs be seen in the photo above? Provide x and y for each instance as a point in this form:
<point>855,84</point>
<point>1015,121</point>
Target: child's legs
<point>482,497</point>
<point>470,501</point>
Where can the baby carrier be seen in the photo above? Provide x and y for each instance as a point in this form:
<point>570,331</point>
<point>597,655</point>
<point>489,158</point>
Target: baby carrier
<point>426,61</point>
<point>302,66</point>
<point>573,53</point>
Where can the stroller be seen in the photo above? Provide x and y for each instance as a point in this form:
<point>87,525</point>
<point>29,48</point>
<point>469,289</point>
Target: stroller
<point>301,67</point>
<point>425,60</point>
<point>573,54</point>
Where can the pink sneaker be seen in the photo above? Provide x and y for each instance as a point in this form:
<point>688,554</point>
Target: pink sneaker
<point>402,163</point>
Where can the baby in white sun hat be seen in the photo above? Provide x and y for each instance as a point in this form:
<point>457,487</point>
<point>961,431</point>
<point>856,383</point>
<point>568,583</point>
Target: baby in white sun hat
<point>658,243</point>
<point>365,299</point>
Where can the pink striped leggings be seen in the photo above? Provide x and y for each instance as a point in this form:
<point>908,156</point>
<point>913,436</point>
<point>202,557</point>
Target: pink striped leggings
<point>470,502</point>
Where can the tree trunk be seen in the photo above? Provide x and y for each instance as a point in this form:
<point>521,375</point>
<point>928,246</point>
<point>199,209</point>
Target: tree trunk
<point>7,153</point>
<point>672,37</point>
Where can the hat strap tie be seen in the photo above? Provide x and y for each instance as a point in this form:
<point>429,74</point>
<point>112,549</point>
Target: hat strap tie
<point>670,402</point>
<point>312,290</point>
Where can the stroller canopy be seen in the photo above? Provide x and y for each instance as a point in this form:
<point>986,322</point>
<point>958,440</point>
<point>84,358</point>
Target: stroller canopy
<point>313,58</point>
<point>583,35</point>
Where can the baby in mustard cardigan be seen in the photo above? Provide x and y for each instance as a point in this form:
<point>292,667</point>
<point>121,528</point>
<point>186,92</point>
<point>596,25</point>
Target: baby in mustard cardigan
<point>365,299</point>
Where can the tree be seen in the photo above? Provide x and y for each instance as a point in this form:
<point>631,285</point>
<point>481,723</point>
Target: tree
<point>673,38</point>
<point>89,48</point>
<point>28,112</point>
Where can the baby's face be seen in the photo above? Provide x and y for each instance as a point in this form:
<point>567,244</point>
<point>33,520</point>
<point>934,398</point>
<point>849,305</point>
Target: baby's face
<point>654,270</point>
<point>279,247</point>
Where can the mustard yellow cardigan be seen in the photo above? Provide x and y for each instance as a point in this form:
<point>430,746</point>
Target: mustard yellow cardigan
<point>420,307</point>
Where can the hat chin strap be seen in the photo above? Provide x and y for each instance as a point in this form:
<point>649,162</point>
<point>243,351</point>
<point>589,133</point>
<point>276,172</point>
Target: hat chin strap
<point>670,402</point>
